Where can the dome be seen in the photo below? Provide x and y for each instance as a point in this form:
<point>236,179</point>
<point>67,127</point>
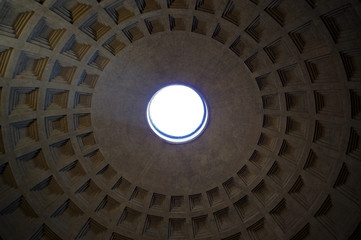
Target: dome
<point>279,156</point>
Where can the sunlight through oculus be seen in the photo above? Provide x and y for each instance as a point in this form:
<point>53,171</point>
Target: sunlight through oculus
<point>177,113</point>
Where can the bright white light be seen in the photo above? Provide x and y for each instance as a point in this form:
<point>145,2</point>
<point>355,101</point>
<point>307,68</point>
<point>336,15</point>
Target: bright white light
<point>177,113</point>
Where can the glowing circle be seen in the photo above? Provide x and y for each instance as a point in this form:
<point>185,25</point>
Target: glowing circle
<point>177,113</point>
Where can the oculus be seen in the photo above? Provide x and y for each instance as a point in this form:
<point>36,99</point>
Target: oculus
<point>177,113</point>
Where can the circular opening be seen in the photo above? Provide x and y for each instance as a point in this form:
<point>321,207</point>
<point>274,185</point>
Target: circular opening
<point>177,113</point>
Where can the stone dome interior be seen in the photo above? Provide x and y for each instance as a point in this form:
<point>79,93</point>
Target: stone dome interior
<point>280,157</point>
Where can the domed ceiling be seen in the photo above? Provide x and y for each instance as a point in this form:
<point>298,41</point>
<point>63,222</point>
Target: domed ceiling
<point>279,158</point>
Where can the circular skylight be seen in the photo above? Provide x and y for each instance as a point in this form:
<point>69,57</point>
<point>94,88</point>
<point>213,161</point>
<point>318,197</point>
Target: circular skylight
<point>177,113</point>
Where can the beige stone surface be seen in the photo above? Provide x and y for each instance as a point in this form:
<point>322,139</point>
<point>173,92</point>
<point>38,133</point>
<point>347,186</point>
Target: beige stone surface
<point>279,158</point>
